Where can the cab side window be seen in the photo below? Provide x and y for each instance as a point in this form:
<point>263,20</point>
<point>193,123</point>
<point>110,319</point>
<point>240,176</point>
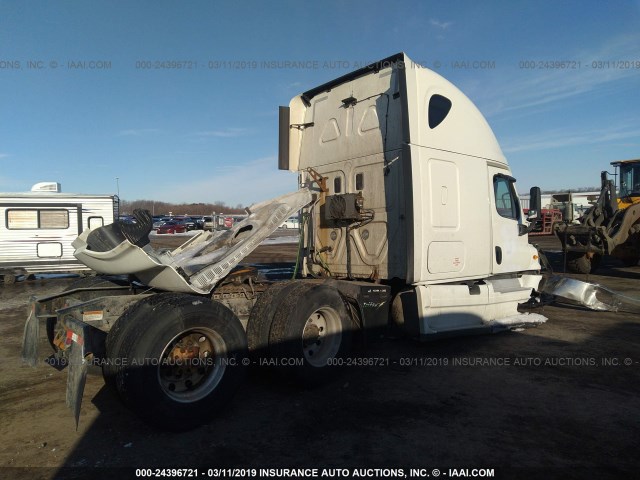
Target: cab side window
<point>505,197</point>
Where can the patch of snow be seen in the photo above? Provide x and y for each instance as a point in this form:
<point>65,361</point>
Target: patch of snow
<point>281,240</point>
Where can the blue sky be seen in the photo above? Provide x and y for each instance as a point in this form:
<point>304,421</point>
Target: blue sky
<point>210,134</point>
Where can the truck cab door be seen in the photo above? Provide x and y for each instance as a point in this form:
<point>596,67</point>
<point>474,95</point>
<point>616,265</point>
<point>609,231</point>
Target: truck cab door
<point>510,249</point>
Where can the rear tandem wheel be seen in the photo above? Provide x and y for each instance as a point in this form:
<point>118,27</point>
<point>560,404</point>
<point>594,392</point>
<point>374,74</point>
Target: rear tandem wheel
<point>310,328</point>
<point>582,262</point>
<point>176,359</point>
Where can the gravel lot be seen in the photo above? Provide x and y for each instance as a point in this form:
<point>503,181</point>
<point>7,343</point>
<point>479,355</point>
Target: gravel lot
<point>556,401</point>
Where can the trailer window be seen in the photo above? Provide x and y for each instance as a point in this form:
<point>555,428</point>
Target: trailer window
<point>31,219</point>
<point>95,222</point>
<point>506,199</point>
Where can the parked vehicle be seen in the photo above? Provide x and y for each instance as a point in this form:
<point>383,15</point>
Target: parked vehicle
<point>172,226</point>
<point>198,222</point>
<point>610,227</point>
<point>38,228</point>
<point>188,223</point>
<point>219,222</point>
<point>160,221</point>
<point>291,222</point>
<point>208,224</point>
<point>228,221</point>
<point>411,219</point>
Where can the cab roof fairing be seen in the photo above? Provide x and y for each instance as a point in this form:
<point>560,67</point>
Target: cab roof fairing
<point>465,130</point>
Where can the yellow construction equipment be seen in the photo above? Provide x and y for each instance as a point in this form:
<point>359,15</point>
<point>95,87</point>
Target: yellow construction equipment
<point>610,227</point>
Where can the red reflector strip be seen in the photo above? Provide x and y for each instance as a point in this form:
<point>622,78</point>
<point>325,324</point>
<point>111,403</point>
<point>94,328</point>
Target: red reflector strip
<point>73,337</point>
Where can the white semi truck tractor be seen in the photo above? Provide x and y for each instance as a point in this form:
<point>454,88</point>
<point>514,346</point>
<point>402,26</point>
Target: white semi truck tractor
<point>409,216</point>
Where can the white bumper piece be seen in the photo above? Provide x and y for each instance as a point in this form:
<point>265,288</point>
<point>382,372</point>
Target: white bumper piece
<point>201,262</point>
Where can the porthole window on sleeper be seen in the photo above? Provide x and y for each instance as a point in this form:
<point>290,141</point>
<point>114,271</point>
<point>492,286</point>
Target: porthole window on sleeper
<point>439,108</point>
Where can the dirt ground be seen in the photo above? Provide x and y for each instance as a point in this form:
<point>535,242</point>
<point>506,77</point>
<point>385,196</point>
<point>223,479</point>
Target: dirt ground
<point>556,401</point>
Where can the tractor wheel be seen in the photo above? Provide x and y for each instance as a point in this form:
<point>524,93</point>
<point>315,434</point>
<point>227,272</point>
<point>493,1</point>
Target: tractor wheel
<point>581,263</point>
<point>176,359</point>
<point>310,330</point>
<point>261,318</point>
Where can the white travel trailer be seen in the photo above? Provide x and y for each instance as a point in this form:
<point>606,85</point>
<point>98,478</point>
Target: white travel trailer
<point>38,227</point>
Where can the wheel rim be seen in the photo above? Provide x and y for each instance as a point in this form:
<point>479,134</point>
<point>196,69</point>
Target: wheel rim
<point>191,365</point>
<point>322,336</point>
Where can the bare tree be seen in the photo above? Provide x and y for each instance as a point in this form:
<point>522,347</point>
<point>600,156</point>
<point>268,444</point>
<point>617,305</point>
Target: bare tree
<point>163,208</point>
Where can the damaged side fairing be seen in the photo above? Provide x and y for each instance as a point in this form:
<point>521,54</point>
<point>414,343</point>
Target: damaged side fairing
<point>590,295</point>
<point>197,265</point>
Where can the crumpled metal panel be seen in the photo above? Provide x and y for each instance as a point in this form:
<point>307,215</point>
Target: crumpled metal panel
<point>590,295</point>
<point>201,262</point>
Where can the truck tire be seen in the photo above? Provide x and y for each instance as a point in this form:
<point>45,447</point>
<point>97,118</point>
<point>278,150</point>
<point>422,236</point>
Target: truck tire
<point>310,328</point>
<point>259,324</point>
<point>176,359</point>
<point>262,313</point>
<point>581,263</point>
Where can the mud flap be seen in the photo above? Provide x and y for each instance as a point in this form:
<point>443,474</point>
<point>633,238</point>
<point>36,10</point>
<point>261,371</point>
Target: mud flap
<point>30,338</point>
<point>76,378</point>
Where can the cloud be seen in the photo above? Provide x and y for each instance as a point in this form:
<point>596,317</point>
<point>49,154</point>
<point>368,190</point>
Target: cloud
<point>438,24</point>
<point>533,90</point>
<point>248,183</point>
<point>554,139</point>
<point>137,132</point>
<point>224,133</point>
<point>4,155</point>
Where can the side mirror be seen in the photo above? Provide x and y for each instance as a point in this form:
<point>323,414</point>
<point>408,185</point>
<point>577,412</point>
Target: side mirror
<point>535,205</point>
<point>535,211</point>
